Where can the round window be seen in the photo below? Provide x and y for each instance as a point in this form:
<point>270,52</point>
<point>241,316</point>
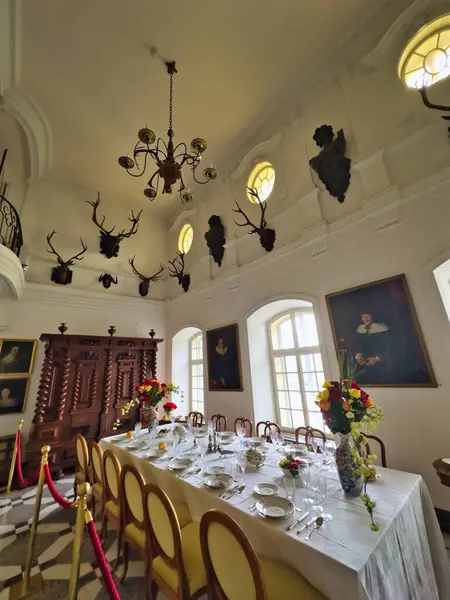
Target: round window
<point>185,238</point>
<point>262,180</point>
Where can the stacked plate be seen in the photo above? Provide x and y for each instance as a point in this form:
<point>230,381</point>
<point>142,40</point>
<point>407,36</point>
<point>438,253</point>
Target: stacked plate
<point>179,464</point>
<point>218,481</point>
<point>275,507</point>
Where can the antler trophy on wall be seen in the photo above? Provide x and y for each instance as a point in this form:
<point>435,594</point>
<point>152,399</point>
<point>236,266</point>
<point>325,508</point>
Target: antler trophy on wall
<point>109,244</point>
<point>106,279</point>
<point>145,281</point>
<point>266,235</point>
<point>62,274</point>
<point>177,271</point>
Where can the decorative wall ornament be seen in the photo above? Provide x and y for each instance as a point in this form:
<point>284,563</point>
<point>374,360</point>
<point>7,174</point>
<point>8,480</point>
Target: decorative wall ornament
<point>62,274</point>
<point>112,330</point>
<point>145,281</point>
<point>331,164</point>
<point>109,244</point>
<point>215,239</point>
<point>177,271</point>
<point>169,159</point>
<point>107,279</point>
<point>266,235</point>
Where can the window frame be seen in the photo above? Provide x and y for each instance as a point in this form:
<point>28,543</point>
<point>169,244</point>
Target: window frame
<point>193,362</point>
<point>297,351</point>
<point>182,235</point>
<point>254,174</point>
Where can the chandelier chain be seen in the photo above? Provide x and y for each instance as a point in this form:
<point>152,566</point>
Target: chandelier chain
<point>171,101</point>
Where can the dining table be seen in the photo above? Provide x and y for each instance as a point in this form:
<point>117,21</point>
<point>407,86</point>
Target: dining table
<point>344,559</point>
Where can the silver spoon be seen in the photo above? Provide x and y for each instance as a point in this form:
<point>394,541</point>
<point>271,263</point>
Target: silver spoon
<point>318,525</point>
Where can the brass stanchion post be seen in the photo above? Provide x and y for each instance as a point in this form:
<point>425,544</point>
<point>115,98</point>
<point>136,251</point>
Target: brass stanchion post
<point>83,491</point>
<point>14,458</point>
<point>30,585</point>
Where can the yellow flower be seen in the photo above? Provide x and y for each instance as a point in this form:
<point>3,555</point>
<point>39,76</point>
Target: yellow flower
<point>355,393</point>
<point>147,388</point>
<point>326,384</point>
<point>323,395</point>
<point>324,405</point>
<point>346,406</point>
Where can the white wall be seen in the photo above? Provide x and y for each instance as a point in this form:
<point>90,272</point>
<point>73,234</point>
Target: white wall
<point>16,169</point>
<point>43,309</point>
<point>180,367</point>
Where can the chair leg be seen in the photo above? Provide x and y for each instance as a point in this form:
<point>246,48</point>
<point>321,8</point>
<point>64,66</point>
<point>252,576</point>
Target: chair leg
<point>153,589</point>
<point>125,560</point>
<point>93,505</point>
<point>119,549</point>
<point>104,530</point>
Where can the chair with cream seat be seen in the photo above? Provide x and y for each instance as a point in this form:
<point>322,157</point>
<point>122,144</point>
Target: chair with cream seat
<point>111,495</point>
<point>175,556</point>
<point>268,427</point>
<point>96,455</point>
<point>235,572</point>
<point>81,462</point>
<point>219,422</point>
<point>246,424</point>
<point>309,434</point>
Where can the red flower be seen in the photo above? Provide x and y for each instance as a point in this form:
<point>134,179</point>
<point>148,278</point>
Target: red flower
<point>154,383</point>
<point>136,387</point>
<point>170,406</point>
<point>147,382</point>
<point>164,385</point>
<point>355,386</point>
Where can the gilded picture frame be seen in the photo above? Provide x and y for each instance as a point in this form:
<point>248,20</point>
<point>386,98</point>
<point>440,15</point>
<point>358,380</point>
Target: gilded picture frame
<point>16,357</point>
<point>13,394</point>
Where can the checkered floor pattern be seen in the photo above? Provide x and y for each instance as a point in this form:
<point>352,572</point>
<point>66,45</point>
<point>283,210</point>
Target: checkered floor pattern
<point>54,549</point>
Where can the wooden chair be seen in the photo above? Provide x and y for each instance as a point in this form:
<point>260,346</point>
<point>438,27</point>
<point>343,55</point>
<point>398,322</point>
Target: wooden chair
<point>196,418</point>
<point>234,571</point>
<point>98,478</point>
<point>268,428</point>
<point>175,558</point>
<point>244,422</point>
<point>132,530</point>
<point>220,422</point>
<point>308,433</point>
<point>382,448</point>
<point>81,462</point>
<point>111,497</point>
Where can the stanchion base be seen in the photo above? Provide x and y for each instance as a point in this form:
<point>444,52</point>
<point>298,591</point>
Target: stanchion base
<point>16,591</point>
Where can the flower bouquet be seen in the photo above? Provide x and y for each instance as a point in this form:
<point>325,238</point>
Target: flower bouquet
<point>293,465</point>
<point>169,407</point>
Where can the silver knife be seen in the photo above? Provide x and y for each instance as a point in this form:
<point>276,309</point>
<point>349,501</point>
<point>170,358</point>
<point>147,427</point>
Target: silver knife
<point>235,491</point>
<point>226,492</point>
<point>310,522</point>
<point>298,521</point>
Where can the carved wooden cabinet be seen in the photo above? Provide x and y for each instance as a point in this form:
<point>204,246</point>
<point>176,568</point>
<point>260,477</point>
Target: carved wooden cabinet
<point>85,382</point>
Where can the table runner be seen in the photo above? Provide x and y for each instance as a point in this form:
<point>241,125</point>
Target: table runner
<point>344,560</point>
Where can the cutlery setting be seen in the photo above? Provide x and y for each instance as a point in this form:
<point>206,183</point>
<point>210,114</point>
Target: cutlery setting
<point>297,521</point>
<point>318,525</point>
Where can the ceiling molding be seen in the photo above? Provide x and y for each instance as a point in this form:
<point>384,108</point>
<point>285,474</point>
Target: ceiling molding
<point>260,153</point>
<point>10,43</point>
<point>182,218</point>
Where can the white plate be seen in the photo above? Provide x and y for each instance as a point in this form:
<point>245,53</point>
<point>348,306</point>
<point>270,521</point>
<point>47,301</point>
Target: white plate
<point>178,464</point>
<point>135,445</point>
<point>215,470</point>
<point>219,481</point>
<point>275,507</point>
<point>266,489</point>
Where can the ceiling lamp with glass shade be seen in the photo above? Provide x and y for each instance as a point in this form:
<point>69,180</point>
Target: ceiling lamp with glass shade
<point>169,159</point>
<point>426,59</point>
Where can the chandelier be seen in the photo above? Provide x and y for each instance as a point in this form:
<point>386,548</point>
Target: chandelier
<point>169,159</point>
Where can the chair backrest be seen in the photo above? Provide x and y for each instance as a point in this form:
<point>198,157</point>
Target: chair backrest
<point>265,428</point>
<point>81,455</point>
<point>382,448</point>
<point>162,523</point>
<point>244,422</point>
<point>220,422</point>
<point>309,433</point>
<point>132,493</point>
<point>111,472</point>
<point>97,463</point>
<point>196,418</point>
<point>232,567</point>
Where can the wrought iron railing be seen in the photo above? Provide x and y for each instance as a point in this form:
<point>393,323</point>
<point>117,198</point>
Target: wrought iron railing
<point>10,227</point>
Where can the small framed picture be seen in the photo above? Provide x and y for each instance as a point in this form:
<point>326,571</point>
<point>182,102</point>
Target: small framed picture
<point>224,361</point>
<point>13,395</point>
<point>17,357</point>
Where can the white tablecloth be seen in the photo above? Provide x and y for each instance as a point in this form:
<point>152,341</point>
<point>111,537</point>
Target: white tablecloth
<point>406,560</point>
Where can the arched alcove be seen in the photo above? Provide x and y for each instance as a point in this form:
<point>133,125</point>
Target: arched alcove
<point>183,363</point>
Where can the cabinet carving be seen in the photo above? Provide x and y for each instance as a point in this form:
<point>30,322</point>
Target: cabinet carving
<point>85,381</point>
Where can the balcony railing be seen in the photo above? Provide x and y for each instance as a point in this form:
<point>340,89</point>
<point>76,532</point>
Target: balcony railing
<point>10,227</point>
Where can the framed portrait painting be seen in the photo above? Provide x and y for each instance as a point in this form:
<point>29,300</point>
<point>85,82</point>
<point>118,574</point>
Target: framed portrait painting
<point>377,325</point>
<point>224,362</point>
<point>17,357</point>
<point>13,395</point>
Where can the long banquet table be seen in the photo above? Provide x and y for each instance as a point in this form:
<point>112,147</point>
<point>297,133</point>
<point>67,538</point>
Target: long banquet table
<point>344,560</point>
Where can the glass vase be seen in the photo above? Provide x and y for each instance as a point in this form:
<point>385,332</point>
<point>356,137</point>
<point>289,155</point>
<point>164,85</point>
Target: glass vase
<point>351,483</point>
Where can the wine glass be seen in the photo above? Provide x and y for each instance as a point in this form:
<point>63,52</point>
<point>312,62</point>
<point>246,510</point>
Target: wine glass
<point>277,440</point>
<point>202,444</point>
<point>322,496</point>
<point>240,431</point>
<point>289,487</point>
<point>329,450</point>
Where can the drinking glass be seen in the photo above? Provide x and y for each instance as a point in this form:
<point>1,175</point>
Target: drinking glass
<point>316,444</point>
<point>137,430</point>
<point>240,431</point>
<point>277,440</point>
<point>237,471</point>
<point>315,485</point>
<point>172,444</point>
<point>329,450</point>
<point>322,496</point>
<point>289,487</point>
<point>202,444</point>
<point>304,475</point>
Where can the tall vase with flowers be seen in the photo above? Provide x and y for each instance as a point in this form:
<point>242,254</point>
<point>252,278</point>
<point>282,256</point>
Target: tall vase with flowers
<point>349,412</point>
<point>148,396</point>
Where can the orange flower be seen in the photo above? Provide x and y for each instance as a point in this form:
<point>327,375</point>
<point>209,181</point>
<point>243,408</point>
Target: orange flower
<point>346,406</point>
<point>324,405</point>
<point>368,403</point>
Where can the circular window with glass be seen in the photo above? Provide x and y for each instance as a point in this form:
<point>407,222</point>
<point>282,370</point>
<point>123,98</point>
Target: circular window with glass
<point>185,239</point>
<point>426,58</point>
<point>262,180</point>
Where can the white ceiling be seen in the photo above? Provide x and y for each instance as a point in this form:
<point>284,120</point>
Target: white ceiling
<point>84,63</point>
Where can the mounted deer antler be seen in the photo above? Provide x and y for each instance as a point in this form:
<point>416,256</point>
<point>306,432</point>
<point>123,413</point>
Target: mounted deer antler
<point>145,281</point>
<point>177,271</point>
<point>266,235</point>
<point>109,244</point>
<point>62,274</point>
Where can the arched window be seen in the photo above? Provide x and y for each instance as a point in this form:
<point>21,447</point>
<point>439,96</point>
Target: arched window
<point>297,368</point>
<point>185,238</point>
<point>262,179</point>
<point>196,370</point>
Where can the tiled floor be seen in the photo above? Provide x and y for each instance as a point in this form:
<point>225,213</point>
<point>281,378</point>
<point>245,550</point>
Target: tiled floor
<point>54,549</point>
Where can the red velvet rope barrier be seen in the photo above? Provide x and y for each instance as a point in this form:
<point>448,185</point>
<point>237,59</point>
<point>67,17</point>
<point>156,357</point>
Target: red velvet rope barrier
<point>63,502</point>
<point>22,482</point>
<point>102,563</point>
